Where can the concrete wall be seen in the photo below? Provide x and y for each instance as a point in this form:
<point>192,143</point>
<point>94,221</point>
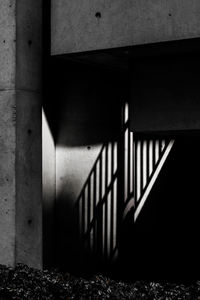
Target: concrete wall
<point>49,191</point>
<point>7,178</point>
<point>91,25</point>
<point>20,131</point>
<point>86,97</point>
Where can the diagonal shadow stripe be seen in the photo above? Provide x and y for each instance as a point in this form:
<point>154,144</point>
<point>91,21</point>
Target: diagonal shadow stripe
<point>91,172</point>
<point>99,206</point>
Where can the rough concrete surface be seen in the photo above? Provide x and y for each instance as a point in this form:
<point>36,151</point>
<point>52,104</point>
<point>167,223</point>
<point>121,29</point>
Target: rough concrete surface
<point>20,133</point>
<point>92,24</point>
<point>29,179</point>
<point>7,44</point>
<point>7,177</point>
<point>29,50</point>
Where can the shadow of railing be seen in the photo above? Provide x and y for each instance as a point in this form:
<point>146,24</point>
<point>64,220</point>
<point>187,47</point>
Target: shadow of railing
<point>97,205</point>
<point>119,182</point>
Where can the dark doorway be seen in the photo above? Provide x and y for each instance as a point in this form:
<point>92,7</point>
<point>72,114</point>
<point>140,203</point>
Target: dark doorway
<point>163,242</point>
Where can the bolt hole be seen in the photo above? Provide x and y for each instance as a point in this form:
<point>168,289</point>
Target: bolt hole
<point>30,42</point>
<point>29,131</point>
<point>98,15</point>
<point>169,15</point>
<point>4,41</point>
<point>88,147</point>
<point>29,222</point>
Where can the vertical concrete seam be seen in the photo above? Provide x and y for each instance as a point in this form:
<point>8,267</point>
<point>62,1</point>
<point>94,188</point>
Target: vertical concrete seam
<point>28,103</point>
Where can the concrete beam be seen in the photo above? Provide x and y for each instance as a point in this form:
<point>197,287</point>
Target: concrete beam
<point>20,133</point>
<point>98,24</point>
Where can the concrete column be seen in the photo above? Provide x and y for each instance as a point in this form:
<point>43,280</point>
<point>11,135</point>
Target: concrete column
<point>20,133</point>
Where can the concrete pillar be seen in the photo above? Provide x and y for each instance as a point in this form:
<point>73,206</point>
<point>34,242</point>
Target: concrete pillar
<point>20,133</point>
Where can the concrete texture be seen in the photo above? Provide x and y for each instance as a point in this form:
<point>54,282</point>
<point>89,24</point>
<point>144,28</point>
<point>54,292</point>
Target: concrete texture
<point>165,94</point>
<point>29,38</point>
<point>28,179</point>
<point>7,44</point>
<point>7,178</point>
<point>20,131</point>
<point>92,24</point>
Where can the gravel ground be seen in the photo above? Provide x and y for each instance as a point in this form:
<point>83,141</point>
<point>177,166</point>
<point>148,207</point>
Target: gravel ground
<point>27,283</point>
